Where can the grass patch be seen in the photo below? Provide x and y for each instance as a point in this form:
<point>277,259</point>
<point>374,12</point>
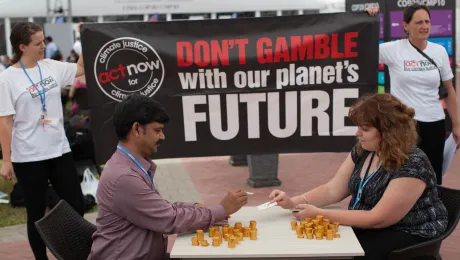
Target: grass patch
<point>10,216</point>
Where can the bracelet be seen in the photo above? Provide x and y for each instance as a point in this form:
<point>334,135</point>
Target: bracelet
<point>304,198</point>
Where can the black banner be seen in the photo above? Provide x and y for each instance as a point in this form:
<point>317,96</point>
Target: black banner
<point>240,86</point>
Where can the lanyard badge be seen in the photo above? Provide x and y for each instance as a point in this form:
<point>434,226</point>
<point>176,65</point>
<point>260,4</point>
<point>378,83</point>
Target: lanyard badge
<point>138,165</point>
<point>364,181</point>
<point>41,93</point>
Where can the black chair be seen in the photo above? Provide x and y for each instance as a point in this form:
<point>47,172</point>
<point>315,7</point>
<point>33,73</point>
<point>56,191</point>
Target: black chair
<point>67,234</point>
<point>430,249</point>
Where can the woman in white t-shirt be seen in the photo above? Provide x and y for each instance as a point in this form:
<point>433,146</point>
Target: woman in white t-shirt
<point>32,136</point>
<point>415,81</point>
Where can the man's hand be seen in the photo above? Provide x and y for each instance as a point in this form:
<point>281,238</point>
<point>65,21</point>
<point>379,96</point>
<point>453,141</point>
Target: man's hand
<point>234,201</point>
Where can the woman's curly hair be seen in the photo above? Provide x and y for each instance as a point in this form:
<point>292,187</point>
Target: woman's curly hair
<point>395,122</point>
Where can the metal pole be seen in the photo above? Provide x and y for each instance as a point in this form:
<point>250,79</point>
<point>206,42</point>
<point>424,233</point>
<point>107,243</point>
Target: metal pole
<point>48,5</point>
<point>69,8</point>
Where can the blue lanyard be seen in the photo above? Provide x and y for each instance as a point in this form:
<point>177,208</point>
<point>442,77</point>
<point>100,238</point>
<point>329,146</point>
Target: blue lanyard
<point>363,183</point>
<point>138,165</point>
<point>41,93</point>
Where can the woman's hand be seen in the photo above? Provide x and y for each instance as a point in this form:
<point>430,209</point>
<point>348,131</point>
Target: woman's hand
<point>282,199</point>
<point>306,211</point>
<point>372,11</point>
<point>7,171</point>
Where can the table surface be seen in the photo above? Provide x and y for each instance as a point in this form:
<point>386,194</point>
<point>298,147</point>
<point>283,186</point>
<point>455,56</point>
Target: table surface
<point>275,238</point>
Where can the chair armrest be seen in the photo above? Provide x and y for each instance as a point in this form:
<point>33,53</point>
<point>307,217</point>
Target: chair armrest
<point>420,245</point>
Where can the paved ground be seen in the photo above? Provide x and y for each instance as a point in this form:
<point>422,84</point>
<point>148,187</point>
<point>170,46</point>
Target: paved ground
<point>207,180</point>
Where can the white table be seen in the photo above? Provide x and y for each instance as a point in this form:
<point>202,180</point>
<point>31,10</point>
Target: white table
<point>275,240</point>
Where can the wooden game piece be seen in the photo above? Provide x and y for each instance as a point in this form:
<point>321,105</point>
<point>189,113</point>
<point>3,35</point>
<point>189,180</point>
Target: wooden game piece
<point>195,241</point>
<point>204,243</point>
<point>252,224</point>
<point>310,236</point>
<point>215,241</point>
<point>227,237</point>
<point>319,236</point>
<point>246,231</point>
<point>300,235</point>
<point>240,236</point>
<point>293,225</point>
<point>238,225</point>
<point>253,235</point>
<point>200,235</point>
<point>231,244</point>
<point>330,235</point>
<point>320,219</point>
<point>337,235</point>
<point>308,220</point>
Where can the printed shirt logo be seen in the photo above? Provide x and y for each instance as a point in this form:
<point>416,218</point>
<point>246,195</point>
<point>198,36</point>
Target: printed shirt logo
<point>126,66</point>
<point>47,83</point>
<point>423,65</point>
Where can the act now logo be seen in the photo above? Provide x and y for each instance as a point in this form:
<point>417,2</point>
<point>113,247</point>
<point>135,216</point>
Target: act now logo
<point>126,66</point>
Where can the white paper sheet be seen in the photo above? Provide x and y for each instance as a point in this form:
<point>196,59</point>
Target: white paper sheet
<point>449,152</point>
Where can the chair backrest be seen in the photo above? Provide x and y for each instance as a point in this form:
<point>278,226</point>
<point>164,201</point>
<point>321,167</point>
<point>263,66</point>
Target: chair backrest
<point>67,234</point>
<point>451,199</point>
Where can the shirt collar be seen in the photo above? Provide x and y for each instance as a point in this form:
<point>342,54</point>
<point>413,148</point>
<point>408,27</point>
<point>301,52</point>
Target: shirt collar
<point>146,163</point>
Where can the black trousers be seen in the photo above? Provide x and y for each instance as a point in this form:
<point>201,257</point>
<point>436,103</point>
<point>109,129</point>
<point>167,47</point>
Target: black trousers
<point>379,243</point>
<point>33,178</point>
<point>432,138</point>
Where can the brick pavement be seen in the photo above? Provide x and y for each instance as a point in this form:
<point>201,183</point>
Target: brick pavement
<point>207,180</point>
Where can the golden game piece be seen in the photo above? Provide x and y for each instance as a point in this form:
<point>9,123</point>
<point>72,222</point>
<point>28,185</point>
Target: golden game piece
<point>299,230</point>
<point>336,225</point>
<point>204,243</point>
<point>195,241</point>
<point>308,220</point>
<point>211,232</point>
<point>300,236</point>
<point>309,235</point>
<point>315,223</point>
<point>215,241</point>
<point>319,236</point>
<point>240,236</point>
<point>238,225</point>
<point>230,231</point>
<point>227,237</point>
<point>200,235</point>
<point>309,225</point>
<point>253,235</point>
<point>231,244</point>
<point>235,240</point>
<point>330,234</point>
<point>320,219</point>
<point>293,225</point>
<point>252,224</point>
<point>337,235</point>
<point>246,232</point>
<point>225,225</point>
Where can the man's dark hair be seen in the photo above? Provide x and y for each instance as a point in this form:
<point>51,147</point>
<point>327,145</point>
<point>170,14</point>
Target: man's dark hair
<point>140,109</point>
<point>49,38</point>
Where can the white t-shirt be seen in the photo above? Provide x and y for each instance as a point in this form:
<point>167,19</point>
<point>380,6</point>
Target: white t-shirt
<point>414,80</point>
<point>31,141</point>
